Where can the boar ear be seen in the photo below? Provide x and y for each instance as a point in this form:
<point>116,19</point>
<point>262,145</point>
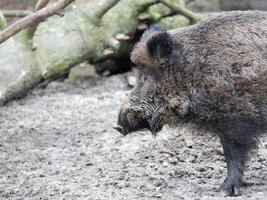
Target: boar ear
<point>160,45</point>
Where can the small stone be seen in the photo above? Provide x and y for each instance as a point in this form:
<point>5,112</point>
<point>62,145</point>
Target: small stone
<point>123,184</point>
<point>131,80</point>
<point>201,169</point>
<point>165,164</point>
<point>106,73</point>
<point>159,196</point>
<point>162,170</point>
<point>82,153</point>
<point>89,164</point>
<point>161,159</point>
<point>82,72</point>
<point>172,173</point>
<point>122,177</point>
<point>158,183</point>
<point>173,160</point>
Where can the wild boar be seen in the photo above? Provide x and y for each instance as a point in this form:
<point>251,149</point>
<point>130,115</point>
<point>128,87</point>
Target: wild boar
<point>212,74</point>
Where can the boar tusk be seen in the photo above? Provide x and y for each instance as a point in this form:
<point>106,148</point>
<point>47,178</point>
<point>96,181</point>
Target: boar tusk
<point>120,129</point>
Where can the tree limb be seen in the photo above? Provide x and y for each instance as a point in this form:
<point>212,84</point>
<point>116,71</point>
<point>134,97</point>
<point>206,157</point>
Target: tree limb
<point>104,9</point>
<point>40,4</point>
<point>33,18</point>
<point>189,1</point>
<point>193,17</point>
<point>16,13</point>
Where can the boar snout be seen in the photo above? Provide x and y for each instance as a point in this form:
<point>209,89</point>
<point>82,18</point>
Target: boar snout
<point>130,120</point>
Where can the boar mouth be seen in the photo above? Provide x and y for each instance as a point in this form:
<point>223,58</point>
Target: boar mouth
<point>129,121</point>
<point>127,128</point>
<point>120,129</point>
<point>142,125</point>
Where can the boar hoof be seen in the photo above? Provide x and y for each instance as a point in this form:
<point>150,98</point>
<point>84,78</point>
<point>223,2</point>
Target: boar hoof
<point>230,188</point>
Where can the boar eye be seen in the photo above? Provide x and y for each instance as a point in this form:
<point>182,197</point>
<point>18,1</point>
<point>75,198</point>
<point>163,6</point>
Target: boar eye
<point>144,77</point>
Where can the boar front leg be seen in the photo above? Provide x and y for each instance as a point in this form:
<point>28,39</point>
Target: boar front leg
<point>237,140</point>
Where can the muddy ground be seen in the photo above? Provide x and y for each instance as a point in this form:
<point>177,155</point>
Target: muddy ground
<point>58,143</point>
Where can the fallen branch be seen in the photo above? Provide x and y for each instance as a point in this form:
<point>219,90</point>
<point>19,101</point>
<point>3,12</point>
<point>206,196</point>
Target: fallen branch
<point>193,17</point>
<point>41,4</point>
<point>33,19</point>
<point>62,42</point>
<point>104,9</point>
<point>38,6</point>
<point>16,13</point>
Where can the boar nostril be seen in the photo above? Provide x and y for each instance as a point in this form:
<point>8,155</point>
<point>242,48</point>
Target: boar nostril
<point>120,129</point>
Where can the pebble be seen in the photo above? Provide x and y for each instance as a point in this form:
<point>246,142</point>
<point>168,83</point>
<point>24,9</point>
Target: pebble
<point>173,160</point>
<point>165,164</point>
<point>123,184</point>
<point>172,173</point>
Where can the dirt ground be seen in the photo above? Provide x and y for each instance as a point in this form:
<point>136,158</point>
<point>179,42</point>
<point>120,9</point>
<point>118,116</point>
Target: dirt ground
<point>58,143</point>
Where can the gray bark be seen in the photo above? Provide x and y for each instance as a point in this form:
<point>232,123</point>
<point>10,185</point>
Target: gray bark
<point>61,42</point>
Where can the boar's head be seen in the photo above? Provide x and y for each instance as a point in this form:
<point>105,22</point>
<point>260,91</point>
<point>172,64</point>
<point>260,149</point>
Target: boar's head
<point>151,103</point>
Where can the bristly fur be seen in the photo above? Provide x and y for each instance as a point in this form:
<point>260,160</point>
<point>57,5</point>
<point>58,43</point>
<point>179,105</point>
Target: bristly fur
<point>213,75</point>
<point>160,45</point>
